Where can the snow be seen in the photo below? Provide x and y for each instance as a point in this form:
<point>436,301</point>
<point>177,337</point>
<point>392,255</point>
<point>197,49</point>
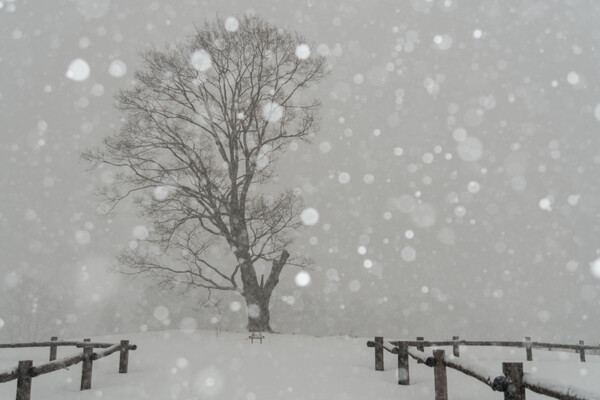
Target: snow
<point>470,149</point>
<point>309,216</point>
<point>191,364</point>
<point>398,151</point>
<point>140,232</point>
<point>408,254</point>
<point>497,132</point>
<point>560,388</point>
<point>253,311</point>
<point>175,365</point>
<point>595,268</point>
<point>117,68</point>
<point>550,370</point>
<point>93,9</point>
<point>545,204</point>
<point>231,24</point>
<point>572,265</point>
<point>78,70</point>
<point>343,177</point>
<point>573,78</point>
<point>354,286</point>
<point>369,179</point>
<point>82,237</point>
<point>473,187</point>
<point>302,278</point>
<point>443,42</point>
<point>200,59</point>
<point>272,111</point>
<point>325,147</point>
<point>358,79</point>
<point>161,193</point>
<point>161,313</point>
<point>302,51</point>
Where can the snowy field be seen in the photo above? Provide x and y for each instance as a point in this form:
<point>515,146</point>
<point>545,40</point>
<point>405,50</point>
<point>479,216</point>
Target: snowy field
<point>176,365</point>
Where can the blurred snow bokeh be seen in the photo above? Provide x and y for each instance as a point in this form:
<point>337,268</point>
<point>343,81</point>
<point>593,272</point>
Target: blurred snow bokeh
<point>459,152</point>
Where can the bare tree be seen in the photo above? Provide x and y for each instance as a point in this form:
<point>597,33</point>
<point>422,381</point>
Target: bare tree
<point>30,309</point>
<point>203,127</point>
<point>217,307</point>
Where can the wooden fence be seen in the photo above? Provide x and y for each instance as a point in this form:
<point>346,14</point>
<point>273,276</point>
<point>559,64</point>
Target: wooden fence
<point>512,383</point>
<point>26,371</point>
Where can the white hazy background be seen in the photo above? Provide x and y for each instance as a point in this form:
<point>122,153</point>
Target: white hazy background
<point>456,173</point>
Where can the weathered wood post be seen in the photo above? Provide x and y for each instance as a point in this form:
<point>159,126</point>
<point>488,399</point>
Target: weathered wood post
<point>439,376</point>
<point>528,348</point>
<point>581,352</point>
<point>378,353</point>
<point>455,347</point>
<point>420,347</point>
<point>124,359</point>
<point>515,389</point>
<point>86,367</point>
<point>24,380</point>
<point>403,371</point>
<point>53,348</point>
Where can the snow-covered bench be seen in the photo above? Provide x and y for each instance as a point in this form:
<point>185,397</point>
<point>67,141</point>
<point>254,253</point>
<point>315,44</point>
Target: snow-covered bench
<point>256,335</point>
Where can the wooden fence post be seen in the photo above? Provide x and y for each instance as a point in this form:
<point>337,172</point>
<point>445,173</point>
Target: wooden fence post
<point>528,348</point>
<point>581,352</point>
<point>420,347</point>
<point>53,348</point>
<point>24,380</point>
<point>378,353</point>
<point>439,376</point>
<point>86,367</point>
<point>124,359</point>
<point>515,389</point>
<point>403,371</point>
<point>455,348</point>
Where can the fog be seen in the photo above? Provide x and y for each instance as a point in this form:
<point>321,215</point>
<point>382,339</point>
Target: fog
<point>455,174</point>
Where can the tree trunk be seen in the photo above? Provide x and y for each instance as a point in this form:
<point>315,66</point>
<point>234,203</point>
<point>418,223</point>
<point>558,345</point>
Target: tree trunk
<point>258,295</point>
<point>257,302</point>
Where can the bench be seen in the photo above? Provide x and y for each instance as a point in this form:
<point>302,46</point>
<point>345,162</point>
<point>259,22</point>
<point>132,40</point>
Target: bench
<point>256,335</point>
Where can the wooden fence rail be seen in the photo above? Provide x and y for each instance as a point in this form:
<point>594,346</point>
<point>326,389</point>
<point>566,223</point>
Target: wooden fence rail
<point>38,344</point>
<point>26,371</point>
<point>8,376</point>
<point>551,388</point>
<point>527,344</point>
<point>513,381</point>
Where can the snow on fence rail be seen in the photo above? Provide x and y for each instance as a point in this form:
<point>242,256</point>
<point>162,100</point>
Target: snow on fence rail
<point>8,376</point>
<point>512,382</point>
<point>26,371</point>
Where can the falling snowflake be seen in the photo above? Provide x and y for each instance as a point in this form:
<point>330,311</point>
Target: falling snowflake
<point>309,216</point>
<point>117,68</point>
<point>302,279</point>
<point>231,24</point>
<point>302,51</point>
<point>272,111</point>
<point>78,70</point>
<point>201,60</point>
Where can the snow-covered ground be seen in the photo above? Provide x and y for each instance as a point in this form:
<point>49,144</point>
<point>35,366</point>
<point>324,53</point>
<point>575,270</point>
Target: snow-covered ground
<point>179,365</point>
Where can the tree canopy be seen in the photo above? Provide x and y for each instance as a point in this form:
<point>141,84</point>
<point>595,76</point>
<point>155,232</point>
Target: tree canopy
<point>203,127</point>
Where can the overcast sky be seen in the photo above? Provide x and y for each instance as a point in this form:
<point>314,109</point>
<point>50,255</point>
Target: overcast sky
<point>456,173</point>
